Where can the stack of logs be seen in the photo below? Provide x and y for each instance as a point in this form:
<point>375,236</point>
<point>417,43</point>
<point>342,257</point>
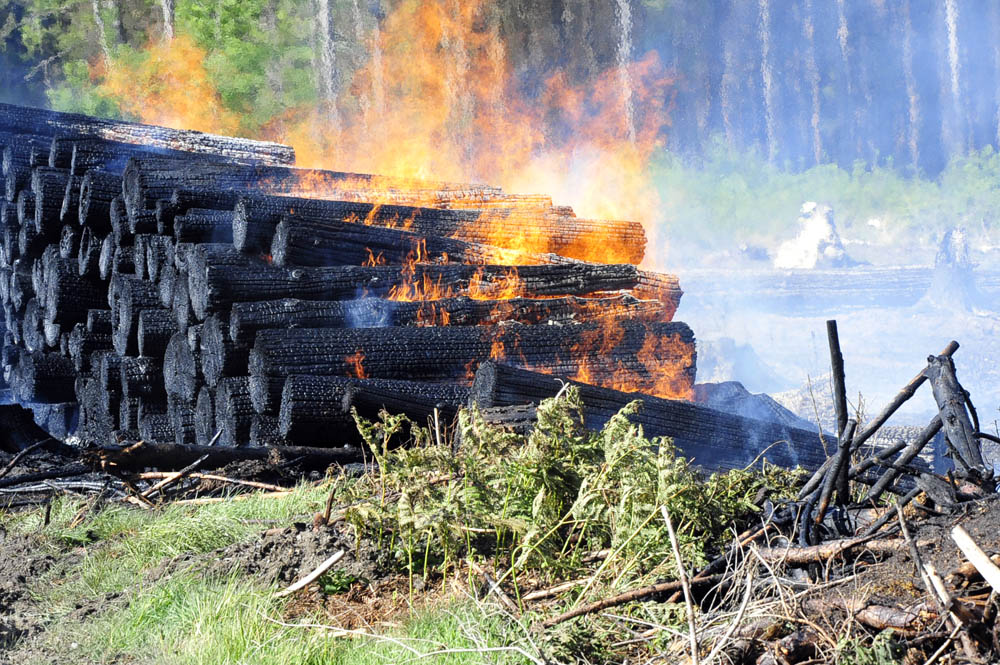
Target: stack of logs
<point>173,286</point>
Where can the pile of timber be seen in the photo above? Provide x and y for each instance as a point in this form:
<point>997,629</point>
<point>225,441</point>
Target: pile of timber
<point>183,288</point>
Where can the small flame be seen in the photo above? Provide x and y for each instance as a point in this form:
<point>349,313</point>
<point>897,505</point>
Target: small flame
<point>355,365</point>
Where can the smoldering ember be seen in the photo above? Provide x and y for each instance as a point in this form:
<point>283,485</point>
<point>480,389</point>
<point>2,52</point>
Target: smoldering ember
<point>482,355</point>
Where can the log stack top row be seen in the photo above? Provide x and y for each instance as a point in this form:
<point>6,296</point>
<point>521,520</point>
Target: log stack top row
<point>168,285</point>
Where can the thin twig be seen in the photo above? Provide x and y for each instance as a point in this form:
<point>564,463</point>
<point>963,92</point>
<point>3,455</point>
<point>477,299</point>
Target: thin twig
<point>495,588</point>
<point>721,644</point>
<point>941,649</point>
<point>313,576</point>
<point>692,628</point>
<point>21,455</point>
<point>173,478</point>
<point>152,475</point>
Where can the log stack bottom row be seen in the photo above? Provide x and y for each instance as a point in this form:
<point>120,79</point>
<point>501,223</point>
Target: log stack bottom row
<point>171,286</point>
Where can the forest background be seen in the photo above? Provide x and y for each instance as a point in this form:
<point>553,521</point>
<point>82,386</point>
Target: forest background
<point>710,121</point>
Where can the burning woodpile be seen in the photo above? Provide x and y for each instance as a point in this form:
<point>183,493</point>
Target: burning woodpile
<point>177,287</point>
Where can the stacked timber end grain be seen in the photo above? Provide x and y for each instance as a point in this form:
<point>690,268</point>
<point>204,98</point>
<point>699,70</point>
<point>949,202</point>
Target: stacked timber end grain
<point>169,285</point>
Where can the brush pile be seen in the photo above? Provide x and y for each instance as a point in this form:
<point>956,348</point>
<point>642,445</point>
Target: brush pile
<point>878,559</point>
<point>175,287</point>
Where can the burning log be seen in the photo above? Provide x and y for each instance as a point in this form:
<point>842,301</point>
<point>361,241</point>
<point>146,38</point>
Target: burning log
<point>149,179</point>
<point>249,317</point>
<point>54,123</point>
<point>300,242</point>
<point>256,220</point>
<point>448,351</point>
<point>712,439</point>
<point>216,288</point>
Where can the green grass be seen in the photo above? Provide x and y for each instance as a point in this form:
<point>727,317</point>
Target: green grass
<point>530,508</point>
<point>191,620</point>
<point>133,540</point>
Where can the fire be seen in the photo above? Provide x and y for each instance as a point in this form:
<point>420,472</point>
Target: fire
<point>508,287</point>
<point>355,365</point>
<point>167,86</point>
<point>445,106</point>
<point>373,260</point>
<point>451,109</point>
<point>661,368</point>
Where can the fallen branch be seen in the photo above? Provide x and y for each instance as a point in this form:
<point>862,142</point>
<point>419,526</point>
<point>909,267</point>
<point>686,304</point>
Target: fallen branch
<point>154,475</point>
<point>313,576</point>
<point>495,588</point>
<point>682,574</point>
<point>61,472</point>
<point>172,455</point>
<point>21,455</point>
<point>630,596</point>
<point>237,497</point>
<point>173,478</point>
<point>977,557</point>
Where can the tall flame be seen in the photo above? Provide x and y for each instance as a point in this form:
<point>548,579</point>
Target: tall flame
<point>448,106</point>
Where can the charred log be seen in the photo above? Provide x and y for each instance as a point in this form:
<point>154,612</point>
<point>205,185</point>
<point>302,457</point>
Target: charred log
<point>216,288</point>
<point>220,356</point>
<point>44,378</point>
<point>247,318</point>
<point>198,225</point>
<point>182,369</point>
<point>234,411</point>
<point>98,189</point>
<point>69,296</point>
<point>54,123</point>
<point>142,378</point>
<point>712,439</point>
<point>446,352</point>
<point>69,242</point>
<point>89,255</point>
<point>154,330</point>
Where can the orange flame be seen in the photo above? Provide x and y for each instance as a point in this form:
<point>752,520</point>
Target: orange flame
<point>168,86</point>
<point>355,365</point>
